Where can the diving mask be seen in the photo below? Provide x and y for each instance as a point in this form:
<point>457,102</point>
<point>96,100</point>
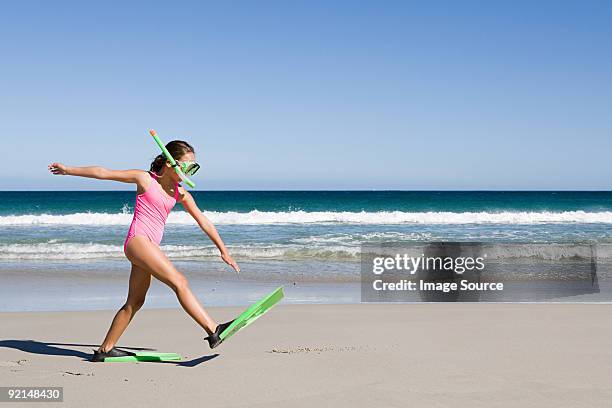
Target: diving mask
<point>188,167</point>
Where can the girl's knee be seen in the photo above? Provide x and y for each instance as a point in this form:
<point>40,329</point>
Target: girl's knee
<point>179,283</point>
<point>133,306</point>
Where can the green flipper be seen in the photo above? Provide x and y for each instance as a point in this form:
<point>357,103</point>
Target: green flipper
<point>145,356</point>
<point>253,313</point>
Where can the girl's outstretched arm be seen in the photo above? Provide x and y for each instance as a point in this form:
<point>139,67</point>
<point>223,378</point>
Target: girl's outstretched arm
<point>207,226</point>
<point>102,173</point>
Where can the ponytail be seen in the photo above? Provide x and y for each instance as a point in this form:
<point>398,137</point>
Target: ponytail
<point>157,163</point>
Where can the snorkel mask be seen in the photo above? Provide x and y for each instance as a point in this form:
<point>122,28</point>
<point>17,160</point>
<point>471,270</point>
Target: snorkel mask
<point>187,167</point>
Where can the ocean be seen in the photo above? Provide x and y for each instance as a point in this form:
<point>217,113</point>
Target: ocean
<point>309,240</point>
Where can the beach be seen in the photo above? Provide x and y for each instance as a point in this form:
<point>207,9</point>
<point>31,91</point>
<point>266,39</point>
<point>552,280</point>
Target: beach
<point>354,355</point>
<point>426,182</point>
<point>328,343</point>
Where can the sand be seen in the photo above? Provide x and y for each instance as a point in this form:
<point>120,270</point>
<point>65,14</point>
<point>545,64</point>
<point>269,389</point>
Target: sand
<point>361,355</point>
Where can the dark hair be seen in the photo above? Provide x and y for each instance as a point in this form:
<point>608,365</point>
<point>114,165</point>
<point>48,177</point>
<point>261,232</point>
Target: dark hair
<point>177,148</point>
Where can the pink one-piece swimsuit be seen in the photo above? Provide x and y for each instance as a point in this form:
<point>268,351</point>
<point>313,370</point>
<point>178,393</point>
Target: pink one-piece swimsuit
<point>151,212</point>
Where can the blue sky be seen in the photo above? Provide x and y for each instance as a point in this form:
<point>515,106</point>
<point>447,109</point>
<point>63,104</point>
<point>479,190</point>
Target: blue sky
<point>312,95</point>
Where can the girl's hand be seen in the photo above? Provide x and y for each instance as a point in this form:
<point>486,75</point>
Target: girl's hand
<point>227,258</point>
<point>58,168</point>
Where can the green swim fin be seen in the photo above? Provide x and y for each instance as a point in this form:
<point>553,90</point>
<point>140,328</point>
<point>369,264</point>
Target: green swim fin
<point>145,356</point>
<point>253,313</point>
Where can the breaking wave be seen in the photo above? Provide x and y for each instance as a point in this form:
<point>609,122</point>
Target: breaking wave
<point>256,217</point>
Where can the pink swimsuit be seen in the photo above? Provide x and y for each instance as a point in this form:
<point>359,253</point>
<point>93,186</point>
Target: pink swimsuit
<point>151,212</point>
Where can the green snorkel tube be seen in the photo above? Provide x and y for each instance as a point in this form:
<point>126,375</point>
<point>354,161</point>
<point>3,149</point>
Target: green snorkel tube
<point>171,159</point>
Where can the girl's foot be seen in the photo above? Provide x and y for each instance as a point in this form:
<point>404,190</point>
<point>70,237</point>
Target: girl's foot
<point>99,356</point>
<point>214,340</point>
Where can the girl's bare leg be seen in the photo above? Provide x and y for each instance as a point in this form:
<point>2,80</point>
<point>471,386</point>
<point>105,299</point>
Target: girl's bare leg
<point>144,253</point>
<point>140,280</point>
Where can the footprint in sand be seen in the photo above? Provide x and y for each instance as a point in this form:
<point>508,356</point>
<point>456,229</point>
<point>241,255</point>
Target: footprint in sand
<point>320,349</point>
<point>12,363</point>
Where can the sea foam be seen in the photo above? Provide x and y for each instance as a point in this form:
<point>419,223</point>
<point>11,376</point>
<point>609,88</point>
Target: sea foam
<point>323,251</point>
<point>256,217</point>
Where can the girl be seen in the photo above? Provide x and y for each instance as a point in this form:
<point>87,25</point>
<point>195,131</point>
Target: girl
<point>158,190</point>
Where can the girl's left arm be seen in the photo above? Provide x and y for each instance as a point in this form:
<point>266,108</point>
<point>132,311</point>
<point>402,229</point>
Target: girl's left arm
<point>190,205</point>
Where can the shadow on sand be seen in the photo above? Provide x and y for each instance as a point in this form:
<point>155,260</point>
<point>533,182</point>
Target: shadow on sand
<point>52,349</point>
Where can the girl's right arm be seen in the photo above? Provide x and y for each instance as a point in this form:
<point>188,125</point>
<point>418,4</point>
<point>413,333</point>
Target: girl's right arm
<point>98,172</point>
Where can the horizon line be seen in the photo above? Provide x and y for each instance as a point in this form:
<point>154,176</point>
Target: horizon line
<point>339,190</point>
